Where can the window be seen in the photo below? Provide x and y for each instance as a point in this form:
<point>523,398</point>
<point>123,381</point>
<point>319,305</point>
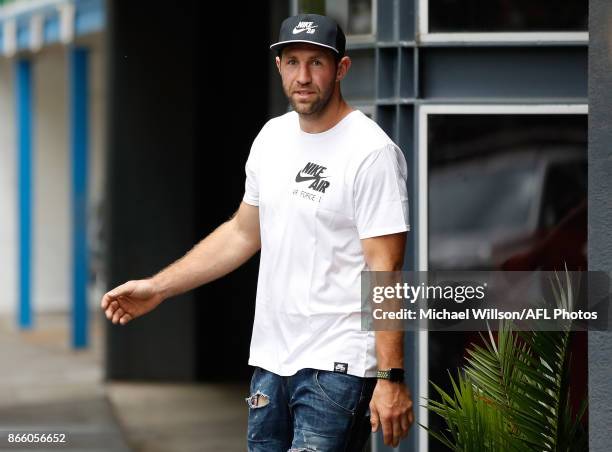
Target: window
<point>510,16</point>
<point>354,16</point>
<point>497,183</point>
<point>506,190</point>
<point>503,21</point>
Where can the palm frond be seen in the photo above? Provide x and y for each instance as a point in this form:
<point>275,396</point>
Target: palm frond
<point>513,392</point>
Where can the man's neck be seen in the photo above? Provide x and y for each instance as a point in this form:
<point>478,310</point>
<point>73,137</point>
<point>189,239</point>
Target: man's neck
<point>333,113</point>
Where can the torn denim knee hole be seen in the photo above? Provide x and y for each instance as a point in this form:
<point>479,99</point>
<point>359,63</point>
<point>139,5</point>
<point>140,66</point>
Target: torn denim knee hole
<point>257,400</point>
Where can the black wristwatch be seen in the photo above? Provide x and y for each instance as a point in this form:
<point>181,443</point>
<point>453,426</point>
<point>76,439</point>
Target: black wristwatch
<point>394,375</point>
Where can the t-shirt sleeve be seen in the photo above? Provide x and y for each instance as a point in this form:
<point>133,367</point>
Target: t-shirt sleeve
<point>251,184</point>
<point>380,193</point>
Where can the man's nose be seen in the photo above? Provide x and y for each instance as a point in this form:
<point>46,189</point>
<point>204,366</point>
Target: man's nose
<point>303,77</point>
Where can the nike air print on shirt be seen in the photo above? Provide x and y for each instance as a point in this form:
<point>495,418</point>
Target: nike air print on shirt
<point>318,196</point>
<point>311,173</point>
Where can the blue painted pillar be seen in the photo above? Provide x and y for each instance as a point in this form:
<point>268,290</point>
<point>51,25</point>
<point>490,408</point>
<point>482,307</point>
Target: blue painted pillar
<point>79,133</point>
<point>23,97</point>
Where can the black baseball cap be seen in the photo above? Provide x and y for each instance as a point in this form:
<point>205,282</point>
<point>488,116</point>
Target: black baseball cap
<point>312,29</point>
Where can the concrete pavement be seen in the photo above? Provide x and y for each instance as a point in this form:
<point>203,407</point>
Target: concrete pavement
<point>47,387</point>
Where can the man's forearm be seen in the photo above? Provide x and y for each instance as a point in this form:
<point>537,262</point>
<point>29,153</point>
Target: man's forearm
<point>390,349</point>
<point>221,252</point>
<point>386,254</point>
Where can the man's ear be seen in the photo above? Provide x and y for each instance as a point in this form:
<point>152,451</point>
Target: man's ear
<point>343,66</point>
<point>278,64</point>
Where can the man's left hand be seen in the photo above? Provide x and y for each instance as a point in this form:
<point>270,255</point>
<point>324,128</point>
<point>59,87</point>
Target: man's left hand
<point>391,407</point>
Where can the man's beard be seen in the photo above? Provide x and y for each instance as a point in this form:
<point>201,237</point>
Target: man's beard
<point>312,108</point>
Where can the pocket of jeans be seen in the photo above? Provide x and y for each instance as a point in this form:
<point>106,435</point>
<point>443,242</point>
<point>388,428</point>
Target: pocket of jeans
<point>342,391</point>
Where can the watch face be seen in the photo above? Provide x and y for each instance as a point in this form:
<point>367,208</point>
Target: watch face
<point>396,374</point>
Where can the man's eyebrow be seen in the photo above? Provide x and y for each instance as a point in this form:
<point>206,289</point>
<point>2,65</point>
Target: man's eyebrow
<point>317,55</point>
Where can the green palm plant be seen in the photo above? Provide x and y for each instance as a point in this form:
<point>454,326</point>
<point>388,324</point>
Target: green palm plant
<point>513,393</point>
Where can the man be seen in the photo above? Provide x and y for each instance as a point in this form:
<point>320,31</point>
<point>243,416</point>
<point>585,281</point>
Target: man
<point>325,198</point>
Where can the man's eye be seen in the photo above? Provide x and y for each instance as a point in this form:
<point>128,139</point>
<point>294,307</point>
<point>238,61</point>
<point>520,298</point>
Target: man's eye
<point>291,62</point>
<point>316,62</point>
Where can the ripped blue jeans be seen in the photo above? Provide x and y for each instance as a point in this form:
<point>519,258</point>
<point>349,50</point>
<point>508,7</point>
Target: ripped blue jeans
<point>313,410</point>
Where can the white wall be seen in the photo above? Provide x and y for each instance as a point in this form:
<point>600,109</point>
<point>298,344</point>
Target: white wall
<point>52,180</point>
<point>51,176</point>
<point>8,190</point>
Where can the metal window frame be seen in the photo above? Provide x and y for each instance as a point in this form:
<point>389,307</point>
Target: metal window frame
<point>422,113</point>
<point>560,37</point>
<point>351,39</point>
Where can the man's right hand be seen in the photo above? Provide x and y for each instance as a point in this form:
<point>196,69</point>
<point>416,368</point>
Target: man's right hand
<point>130,300</point>
<point>210,259</point>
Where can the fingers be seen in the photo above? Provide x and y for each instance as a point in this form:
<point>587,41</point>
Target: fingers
<point>121,317</point>
<point>111,309</point>
<point>387,428</point>
<point>405,423</point>
<point>395,428</point>
<point>395,425</point>
<point>407,418</point>
<point>374,418</point>
<point>117,315</point>
<point>396,432</point>
<point>110,303</point>
<point>122,290</point>
<point>391,430</point>
<point>106,299</point>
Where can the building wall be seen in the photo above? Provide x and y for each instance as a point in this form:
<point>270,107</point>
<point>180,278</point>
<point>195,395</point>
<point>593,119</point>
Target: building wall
<point>179,134</point>
<point>97,160</point>
<point>51,179</point>
<point>51,176</point>
<point>151,181</point>
<point>8,186</point>
<point>600,213</point>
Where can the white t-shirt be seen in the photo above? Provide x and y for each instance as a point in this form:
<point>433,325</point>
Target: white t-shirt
<point>318,195</point>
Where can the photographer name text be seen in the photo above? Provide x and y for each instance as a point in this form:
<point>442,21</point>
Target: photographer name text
<point>483,314</point>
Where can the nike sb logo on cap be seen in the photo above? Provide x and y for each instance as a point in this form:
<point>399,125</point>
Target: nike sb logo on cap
<point>312,172</point>
<point>313,28</point>
<point>308,27</point>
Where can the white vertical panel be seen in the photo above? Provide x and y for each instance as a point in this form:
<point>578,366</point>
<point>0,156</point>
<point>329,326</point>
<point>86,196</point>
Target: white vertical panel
<point>36,32</point>
<point>8,191</point>
<point>9,46</point>
<point>51,178</point>
<point>67,13</point>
